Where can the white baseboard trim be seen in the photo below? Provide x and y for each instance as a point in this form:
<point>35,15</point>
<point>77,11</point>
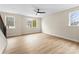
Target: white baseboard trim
<point>63,37</point>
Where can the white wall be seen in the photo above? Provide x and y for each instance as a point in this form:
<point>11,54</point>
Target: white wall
<point>20,25</point>
<point>57,24</point>
<point>3,42</point>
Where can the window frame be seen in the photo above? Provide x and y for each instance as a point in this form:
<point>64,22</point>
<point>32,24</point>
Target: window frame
<point>31,22</point>
<point>13,27</point>
<point>70,18</point>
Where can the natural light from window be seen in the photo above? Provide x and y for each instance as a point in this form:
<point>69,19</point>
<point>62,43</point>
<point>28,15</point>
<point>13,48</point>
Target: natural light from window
<point>10,22</point>
<point>74,18</point>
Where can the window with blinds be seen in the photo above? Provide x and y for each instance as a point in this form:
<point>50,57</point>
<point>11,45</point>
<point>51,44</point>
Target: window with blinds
<point>10,22</point>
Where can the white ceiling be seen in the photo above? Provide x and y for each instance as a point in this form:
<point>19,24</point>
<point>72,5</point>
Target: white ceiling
<point>28,9</point>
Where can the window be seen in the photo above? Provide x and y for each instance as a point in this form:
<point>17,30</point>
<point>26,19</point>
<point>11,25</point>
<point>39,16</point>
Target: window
<point>31,23</point>
<point>74,18</point>
<point>34,23</point>
<point>10,22</point>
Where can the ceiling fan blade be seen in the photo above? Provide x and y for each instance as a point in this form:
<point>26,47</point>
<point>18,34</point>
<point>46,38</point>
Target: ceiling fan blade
<point>41,12</point>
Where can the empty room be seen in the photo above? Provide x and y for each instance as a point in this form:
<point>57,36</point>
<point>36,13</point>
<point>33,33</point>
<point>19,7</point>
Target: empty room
<point>39,28</point>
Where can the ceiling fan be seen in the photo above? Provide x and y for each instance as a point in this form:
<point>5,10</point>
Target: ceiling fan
<point>39,12</point>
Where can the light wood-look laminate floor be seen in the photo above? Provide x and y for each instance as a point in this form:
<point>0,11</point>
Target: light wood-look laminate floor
<point>41,43</point>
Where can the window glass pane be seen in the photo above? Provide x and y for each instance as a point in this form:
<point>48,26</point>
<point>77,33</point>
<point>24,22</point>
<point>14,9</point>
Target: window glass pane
<point>10,22</point>
<point>74,18</point>
<point>34,23</point>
